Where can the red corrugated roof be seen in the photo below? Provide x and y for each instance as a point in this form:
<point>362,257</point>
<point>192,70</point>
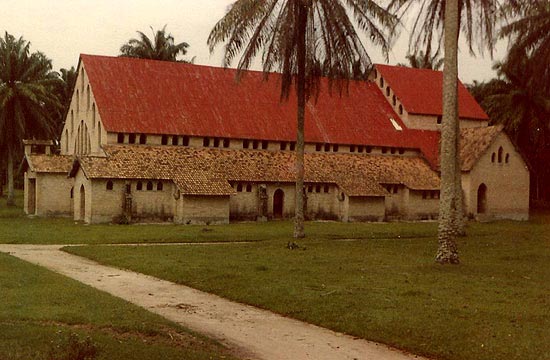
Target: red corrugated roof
<point>419,90</point>
<point>154,97</point>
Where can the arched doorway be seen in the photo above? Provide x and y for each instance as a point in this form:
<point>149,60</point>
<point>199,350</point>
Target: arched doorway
<point>482,199</point>
<point>82,203</point>
<point>278,201</point>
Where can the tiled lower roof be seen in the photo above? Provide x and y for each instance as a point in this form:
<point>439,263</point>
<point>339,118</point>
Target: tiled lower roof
<point>41,163</point>
<point>474,142</point>
<point>206,169</point>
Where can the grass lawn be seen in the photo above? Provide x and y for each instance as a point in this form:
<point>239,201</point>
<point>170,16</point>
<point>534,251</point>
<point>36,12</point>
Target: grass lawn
<point>382,286</point>
<point>40,312</point>
<point>40,309</point>
<point>375,281</point>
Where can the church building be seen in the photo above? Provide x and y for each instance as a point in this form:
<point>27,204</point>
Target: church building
<point>152,141</point>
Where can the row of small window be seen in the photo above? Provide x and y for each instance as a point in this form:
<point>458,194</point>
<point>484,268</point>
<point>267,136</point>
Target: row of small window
<point>244,187</point>
<point>132,138</point>
<point>139,186</point>
<point>500,157</point>
<point>357,148</point>
<point>388,93</point>
<point>434,194</point>
<point>317,188</point>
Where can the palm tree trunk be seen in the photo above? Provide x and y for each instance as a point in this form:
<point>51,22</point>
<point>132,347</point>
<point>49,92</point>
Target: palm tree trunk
<point>301,13</point>
<point>460,223</point>
<point>447,252</point>
<point>11,194</point>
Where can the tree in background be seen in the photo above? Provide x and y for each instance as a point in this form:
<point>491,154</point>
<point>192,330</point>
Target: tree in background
<point>64,91</point>
<point>26,99</point>
<point>302,39</point>
<point>422,60</point>
<point>161,47</point>
<point>529,32</point>
<point>514,101</point>
<point>476,20</point>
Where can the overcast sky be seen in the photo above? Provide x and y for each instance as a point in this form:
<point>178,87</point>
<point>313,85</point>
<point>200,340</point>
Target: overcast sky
<point>63,29</point>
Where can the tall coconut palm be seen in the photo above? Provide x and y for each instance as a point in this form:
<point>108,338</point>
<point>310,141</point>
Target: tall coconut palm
<point>295,36</point>
<point>529,33</point>
<point>161,47</point>
<point>476,19</point>
<point>26,81</point>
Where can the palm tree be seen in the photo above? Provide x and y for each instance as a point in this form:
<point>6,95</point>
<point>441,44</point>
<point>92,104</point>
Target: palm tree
<point>530,34</point>
<point>423,61</point>
<point>514,101</point>
<point>26,81</point>
<point>161,47</point>
<point>295,37</point>
<point>64,91</point>
<point>477,20</point>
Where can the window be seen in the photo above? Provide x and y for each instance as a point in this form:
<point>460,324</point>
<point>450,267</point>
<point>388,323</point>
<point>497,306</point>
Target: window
<point>109,185</point>
<point>387,91</point>
<point>318,188</point>
<point>225,143</point>
<point>175,140</point>
<point>327,147</point>
<point>384,150</point>
<point>394,100</point>
<point>139,186</point>
<point>360,149</point>
<point>88,97</point>
<point>392,150</point>
<point>400,109</point>
<point>318,147</point>
<point>72,121</point>
<point>206,142</point>
<point>283,145</point>
<point>264,144</point>
<point>507,158</point>
<point>292,146</point>
<point>120,138</point>
<point>248,188</point>
<point>93,112</point>
<point>143,139</point>
<point>255,144</point>
<point>401,151</point>
<point>185,141</point>
<point>216,142</point>
<point>245,144</point>
<point>352,148</point>
<point>98,134</point>
<point>381,82</point>
<point>239,187</point>
<point>72,192</point>
<point>493,157</point>
<point>310,189</point>
<point>164,140</point>
<point>439,119</point>
<point>500,150</point>
<point>335,148</point>
<point>326,188</point>
<point>149,185</point>
<point>395,189</point>
<point>424,194</point>
<point>77,101</point>
<point>160,186</point>
<point>132,138</point>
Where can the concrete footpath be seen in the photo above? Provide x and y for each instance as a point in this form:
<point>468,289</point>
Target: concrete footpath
<point>255,333</point>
